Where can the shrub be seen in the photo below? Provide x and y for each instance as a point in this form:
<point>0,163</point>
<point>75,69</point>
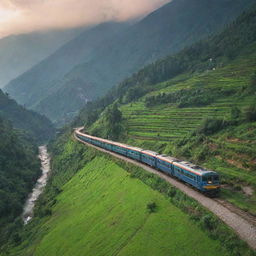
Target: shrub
<point>250,113</point>
<point>209,222</point>
<point>211,126</point>
<point>235,113</point>
<point>151,207</point>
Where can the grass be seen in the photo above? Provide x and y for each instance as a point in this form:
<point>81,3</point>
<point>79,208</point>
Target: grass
<point>102,211</point>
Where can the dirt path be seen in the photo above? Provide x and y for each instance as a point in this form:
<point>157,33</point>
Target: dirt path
<point>232,216</point>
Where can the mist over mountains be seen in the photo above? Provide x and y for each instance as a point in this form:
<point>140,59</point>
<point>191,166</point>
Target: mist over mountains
<point>19,53</point>
<point>103,56</point>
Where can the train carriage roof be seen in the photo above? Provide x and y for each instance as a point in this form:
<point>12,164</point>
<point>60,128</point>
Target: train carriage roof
<point>149,152</point>
<point>193,168</point>
<point>167,158</point>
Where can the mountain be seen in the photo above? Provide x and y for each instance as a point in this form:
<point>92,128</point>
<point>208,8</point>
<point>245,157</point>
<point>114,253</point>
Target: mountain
<point>42,79</point>
<point>39,127</point>
<point>165,31</point>
<point>197,105</point>
<point>20,53</point>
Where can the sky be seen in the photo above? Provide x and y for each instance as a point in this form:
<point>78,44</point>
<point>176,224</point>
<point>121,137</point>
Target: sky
<point>24,16</point>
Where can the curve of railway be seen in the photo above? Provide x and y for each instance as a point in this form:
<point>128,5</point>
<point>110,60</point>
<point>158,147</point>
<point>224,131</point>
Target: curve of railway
<point>241,222</point>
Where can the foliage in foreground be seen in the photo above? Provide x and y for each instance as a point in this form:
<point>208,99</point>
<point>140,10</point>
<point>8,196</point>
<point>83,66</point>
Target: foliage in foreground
<point>19,170</point>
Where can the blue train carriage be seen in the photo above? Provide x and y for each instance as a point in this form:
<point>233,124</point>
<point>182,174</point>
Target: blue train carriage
<point>165,163</point>
<point>204,180</point>
<point>134,153</point>
<point>119,148</point>
<point>83,138</point>
<point>94,140</point>
<point>149,157</point>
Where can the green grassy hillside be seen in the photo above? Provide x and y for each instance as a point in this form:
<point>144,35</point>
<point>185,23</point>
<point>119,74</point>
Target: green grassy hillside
<point>103,212</point>
<point>95,205</point>
<point>169,118</point>
<point>231,152</point>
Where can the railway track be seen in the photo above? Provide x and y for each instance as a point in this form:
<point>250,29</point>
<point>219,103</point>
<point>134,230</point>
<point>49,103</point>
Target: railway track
<point>241,222</point>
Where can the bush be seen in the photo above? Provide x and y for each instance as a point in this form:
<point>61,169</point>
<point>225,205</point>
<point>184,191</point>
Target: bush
<point>235,113</point>
<point>209,222</point>
<point>151,207</point>
<point>250,113</point>
<point>211,126</point>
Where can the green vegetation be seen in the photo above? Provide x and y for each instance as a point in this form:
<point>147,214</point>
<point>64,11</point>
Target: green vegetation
<point>101,57</point>
<point>103,206</point>
<point>198,105</point>
<point>19,170</point>
<point>110,126</point>
<point>36,125</point>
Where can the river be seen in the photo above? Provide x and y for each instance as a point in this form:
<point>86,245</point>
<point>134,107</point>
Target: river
<point>28,209</point>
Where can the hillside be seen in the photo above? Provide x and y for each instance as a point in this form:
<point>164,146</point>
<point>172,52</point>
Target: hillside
<point>19,170</point>
<point>91,207</point>
<point>39,127</point>
<point>46,74</point>
<point>198,105</point>
<point>20,53</point>
<point>174,26</point>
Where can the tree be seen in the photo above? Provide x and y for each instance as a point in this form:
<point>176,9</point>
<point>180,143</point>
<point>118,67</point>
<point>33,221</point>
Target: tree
<point>113,122</point>
<point>235,113</point>
<point>250,113</point>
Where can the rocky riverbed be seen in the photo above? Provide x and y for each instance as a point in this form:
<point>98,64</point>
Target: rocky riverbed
<point>40,184</point>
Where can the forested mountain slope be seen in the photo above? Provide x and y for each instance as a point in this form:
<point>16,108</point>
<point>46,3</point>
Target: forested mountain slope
<point>43,79</point>
<point>197,105</point>
<point>19,53</point>
<point>38,126</point>
<point>166,31</point>
<point>19,170</point>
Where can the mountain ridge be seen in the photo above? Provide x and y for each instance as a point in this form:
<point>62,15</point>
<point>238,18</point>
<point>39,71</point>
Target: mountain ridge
<point>39,127</point>
<point>20,53</point>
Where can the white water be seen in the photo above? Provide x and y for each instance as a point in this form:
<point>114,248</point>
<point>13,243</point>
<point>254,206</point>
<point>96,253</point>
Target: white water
<point>27,214</point>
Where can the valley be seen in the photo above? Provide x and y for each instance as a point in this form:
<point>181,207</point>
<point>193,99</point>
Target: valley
<point>178,82</point>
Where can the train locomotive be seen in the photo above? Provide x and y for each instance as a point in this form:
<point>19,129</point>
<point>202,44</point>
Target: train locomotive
<point>203,180</point>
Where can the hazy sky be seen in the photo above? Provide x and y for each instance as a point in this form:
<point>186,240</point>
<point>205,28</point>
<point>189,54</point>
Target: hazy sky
<point>19,16</point>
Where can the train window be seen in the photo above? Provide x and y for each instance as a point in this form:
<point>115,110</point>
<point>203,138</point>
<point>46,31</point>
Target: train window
<point>210,179</point>
<point>216,178</point>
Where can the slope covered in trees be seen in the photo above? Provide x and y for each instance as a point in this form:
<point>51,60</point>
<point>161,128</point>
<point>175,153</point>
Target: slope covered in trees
<point>38,126</point>
<point>165,31</point>
<point>19,170</point>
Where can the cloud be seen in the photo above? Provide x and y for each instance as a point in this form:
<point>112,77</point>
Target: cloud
<point>21,16</point>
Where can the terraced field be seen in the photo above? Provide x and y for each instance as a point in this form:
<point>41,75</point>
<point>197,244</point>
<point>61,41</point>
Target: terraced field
<point>231,152</point>
<point>167,122</point>
<point>164,127</point>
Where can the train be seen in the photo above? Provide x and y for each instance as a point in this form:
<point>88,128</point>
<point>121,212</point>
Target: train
<point>206,181</point>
